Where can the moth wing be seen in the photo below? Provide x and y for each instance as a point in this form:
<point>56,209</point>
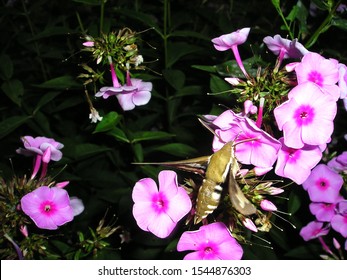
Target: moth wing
<point>238,199</point>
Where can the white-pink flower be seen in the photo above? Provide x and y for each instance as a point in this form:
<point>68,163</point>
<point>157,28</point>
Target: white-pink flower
<point>48,207</point>
<point>296,164</point>
<point>158,211</point>
<point>139,95</point>
<point>307,117</point>
<point>261,150</point>
<point>321,71</point>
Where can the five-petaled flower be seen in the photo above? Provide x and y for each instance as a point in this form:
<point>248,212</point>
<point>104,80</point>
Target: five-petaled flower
<point>210,242</point>
<point>307,117</point>
<point>48,207</point>
<point>158,211</point>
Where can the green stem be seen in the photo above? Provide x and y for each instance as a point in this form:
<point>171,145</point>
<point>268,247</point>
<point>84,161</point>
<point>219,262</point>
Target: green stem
<point>323,26</point>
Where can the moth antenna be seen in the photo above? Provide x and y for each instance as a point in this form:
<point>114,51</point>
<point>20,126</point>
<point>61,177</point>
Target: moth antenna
<point>262,239</point>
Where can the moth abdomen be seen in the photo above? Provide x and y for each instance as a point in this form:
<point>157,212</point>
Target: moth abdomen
<point>208,199</point>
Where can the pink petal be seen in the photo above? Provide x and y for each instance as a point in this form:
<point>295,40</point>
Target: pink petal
<point>144,190</point>
<point>168,183</point>
<point>62,216</point>
<point>161,226</point>
<point>44,222</point>
<point>179,205</point>
<point>126,101</point>
<point>141,98</point>
<point>144,214</point>
<point>190,240</point>
<point>339,224</point>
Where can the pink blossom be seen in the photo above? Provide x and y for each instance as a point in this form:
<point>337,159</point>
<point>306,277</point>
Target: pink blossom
<point>323,184</point>
<point>313,230</point>
<point>116,89</point>
<point>323,212</point>
<point>248,223</point>
<point>231,41</point>
<point>267,205</point>
<point>45,149</point>
<point>339,163</point>
<point>285,48</point>
<point>307,117</point>
<point>261,151</point>
<point>321,71</point>
<point>210,242</point>
<point>39,145</point>
<point>159,211</point>
<point>296,164</point>
<point>339,224</point>
<point>139,95</point>
<point>48,207</point>
<point>88,44</point>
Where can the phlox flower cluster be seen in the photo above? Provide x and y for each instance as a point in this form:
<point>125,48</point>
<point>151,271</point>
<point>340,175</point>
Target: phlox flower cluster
<point>120,52</point>
<point>329,207</point>
<point>303,118</point>
<point>48,206</point>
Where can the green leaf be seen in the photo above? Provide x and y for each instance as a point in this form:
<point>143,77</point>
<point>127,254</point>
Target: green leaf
<point>118,134</point>
<point>6,67</point>
<point>108,122</point>
<point>340,23</point>
<point>178,50</point>
<point>11,123</point>
<point>14,90</point>
<point>150,135</point>
<point>175,78</point>
<point>45,99</point>
<point>87,150</point>
<point>138,151</point>
<point>63,83</point>
<point>218,85</point>
<point>210,69</point>
<point>190,34</point>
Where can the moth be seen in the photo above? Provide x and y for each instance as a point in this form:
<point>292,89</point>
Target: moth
<point>219,168</point>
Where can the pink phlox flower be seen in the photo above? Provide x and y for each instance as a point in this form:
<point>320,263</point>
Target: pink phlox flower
<point>307,117</point>
<point>158,211</point>
<point>233,81</point>
<point>231,41</point>
<point>139,95</point>
<point>249,108</point>
<point>248,223</point>
<point>323,184</point>
<point>321,71</point>
<point>48,207</point>
<point>267,205</point>
<point>296,164</point>
<point>339,221</point>
<point>313,230</point>
<point>117,88</point>
<point>210,242</point>
<point>323,212</point>
<point>339,163</point>
<point>285,48</point>
<point>88,44</point>
<point>39,145</point>
<point>227,41</point>
<point>290,67</point>
<point>261,151</point>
